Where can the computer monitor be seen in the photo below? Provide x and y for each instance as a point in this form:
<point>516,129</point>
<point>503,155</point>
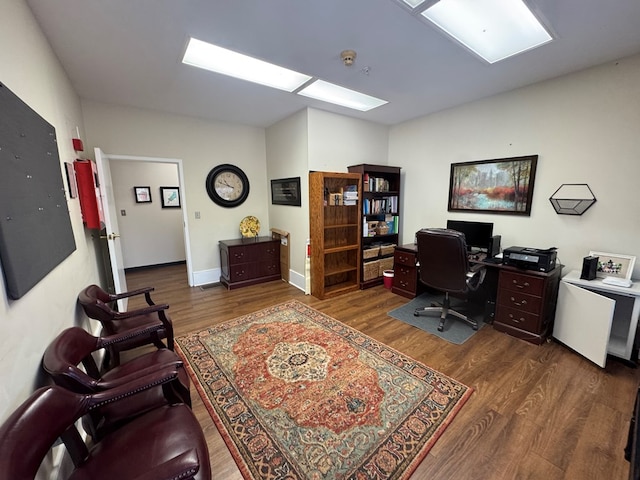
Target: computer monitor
<point>477,234</point>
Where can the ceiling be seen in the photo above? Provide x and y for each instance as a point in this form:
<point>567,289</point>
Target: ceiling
<point>129,52</point>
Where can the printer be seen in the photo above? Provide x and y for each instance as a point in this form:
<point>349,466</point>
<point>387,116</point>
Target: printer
<point>530,258</point>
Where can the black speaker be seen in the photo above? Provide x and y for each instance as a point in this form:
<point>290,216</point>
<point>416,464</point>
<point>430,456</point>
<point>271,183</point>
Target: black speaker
<point>589,267</point>
<point>494,246</point>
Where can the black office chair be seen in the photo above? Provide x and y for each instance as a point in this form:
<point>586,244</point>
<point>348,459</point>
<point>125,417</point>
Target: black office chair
<point>444,266</point>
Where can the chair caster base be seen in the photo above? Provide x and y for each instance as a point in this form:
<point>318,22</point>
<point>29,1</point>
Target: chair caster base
<point>440,329</point>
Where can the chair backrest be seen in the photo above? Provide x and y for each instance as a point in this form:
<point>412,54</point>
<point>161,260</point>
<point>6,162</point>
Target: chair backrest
<point>443,259</point>
<point>72,347</point>
<point>94,302</point>
<point>30,431</point>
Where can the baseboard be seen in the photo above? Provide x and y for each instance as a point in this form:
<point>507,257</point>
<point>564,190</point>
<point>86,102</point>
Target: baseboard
<point>206,277</point>
<point>145,267</point>
<point>297,280</point>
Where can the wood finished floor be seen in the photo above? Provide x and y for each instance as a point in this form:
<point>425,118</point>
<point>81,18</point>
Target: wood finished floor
<point>538,412</point>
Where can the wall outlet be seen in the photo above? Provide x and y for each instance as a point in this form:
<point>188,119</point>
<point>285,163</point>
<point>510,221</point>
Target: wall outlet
<point>123,213</point>
<point>197,215</point>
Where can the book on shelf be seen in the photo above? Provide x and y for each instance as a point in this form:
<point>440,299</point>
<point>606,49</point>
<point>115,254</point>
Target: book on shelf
<point>376,206</point>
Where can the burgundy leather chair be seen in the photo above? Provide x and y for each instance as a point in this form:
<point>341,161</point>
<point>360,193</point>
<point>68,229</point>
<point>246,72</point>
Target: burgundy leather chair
<point>444,266</point>
<point>164,443</point>
<point>145,325</point>
<point>74,347</point>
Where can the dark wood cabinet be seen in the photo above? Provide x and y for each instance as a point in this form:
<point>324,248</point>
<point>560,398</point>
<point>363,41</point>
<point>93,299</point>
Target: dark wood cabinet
<point>405,271</point>
<point>247,261</point>
<point>526,303</point>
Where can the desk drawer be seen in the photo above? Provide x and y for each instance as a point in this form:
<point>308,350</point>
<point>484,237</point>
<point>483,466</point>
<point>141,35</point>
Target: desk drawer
<point>405,278</point>
<point>517,318</point>
<point>521,282</point>
<point>520,301</point>
<point>405,258</point>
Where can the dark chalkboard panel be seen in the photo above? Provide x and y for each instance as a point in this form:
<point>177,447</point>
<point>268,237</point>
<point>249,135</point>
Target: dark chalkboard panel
<point>35,228</point>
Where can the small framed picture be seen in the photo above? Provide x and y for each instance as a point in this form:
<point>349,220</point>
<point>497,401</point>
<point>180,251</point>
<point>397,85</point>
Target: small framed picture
<point>614,265</point>
<point>170,197</point>
<point>143,194</point>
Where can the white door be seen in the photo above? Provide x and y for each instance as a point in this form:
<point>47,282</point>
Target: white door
<point>111,225</point>
<point>583,321</point>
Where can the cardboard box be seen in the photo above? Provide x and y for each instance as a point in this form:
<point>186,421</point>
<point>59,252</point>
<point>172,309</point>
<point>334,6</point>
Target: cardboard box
<point>284,251</point>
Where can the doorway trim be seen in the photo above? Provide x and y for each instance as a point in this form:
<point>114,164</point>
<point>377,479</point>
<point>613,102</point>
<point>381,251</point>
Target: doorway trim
<point>185,216</point>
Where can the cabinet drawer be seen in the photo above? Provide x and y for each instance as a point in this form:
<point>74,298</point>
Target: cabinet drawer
<point>521,282</point>
<point>239,273</point>
<point>268,268</point>
<point>405,258</point>
<point>238,255</point>
<point>520,301</point>
<point>270,250</point>
<point>517,318</point>
<point>405,277</point>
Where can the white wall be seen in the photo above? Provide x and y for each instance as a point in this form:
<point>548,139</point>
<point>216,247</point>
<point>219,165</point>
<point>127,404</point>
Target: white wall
<point>287,156</point>
<point>583,126</point>
<point>316,140</point>
<point>335,142</point>
<point>201,145</point>
<point>150,234</point>
<point>27,325</point>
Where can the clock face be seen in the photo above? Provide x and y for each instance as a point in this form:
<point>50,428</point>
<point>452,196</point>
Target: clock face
<point>227,185</point>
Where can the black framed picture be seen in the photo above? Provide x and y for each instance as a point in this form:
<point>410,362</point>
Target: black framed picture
<point>503,185</point>
<point>170,197</point>
<point>286,191</point>
<point>143,194</point>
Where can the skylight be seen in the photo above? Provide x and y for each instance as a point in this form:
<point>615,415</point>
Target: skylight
<point>329,92</point>
<point>220,60</point>
<point>492,29</point>
<point>217,59</point>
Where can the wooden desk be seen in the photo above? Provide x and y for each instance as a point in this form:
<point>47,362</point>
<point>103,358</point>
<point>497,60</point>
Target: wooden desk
<point>247,261</point>
<point>519,302</point>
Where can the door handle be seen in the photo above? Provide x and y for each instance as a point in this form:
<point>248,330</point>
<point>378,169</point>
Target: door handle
<point>111,236</point>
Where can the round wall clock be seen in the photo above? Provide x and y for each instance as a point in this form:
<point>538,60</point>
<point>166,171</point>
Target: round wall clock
<point>227,185</point>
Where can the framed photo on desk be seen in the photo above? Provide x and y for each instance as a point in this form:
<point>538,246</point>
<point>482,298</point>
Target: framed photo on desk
<point>614,265</point>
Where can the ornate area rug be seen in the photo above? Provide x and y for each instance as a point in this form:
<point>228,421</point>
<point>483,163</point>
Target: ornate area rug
<point>298,395</point>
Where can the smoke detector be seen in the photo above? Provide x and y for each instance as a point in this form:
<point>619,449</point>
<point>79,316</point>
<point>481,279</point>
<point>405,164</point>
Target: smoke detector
<point>348,57</point>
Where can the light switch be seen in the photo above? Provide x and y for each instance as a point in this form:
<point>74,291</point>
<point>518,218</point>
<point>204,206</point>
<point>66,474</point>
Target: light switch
<point>123,213</point>
<point>197,215</point>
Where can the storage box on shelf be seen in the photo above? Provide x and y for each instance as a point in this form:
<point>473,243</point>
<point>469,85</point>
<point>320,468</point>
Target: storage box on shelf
<point>335,233</point>
<point>380,213</point>
<point>385,264</point>
<point>371,269</point>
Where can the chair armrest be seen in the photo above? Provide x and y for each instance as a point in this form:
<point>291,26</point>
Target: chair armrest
<point>184,466</point>
<point>140,291</point>
<point>475,276</point>
<point>140,311</point>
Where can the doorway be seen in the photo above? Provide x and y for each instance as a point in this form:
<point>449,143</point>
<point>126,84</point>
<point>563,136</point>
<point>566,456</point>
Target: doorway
<point>153,212</point>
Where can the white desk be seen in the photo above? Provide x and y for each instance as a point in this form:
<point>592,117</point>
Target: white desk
<point>594,318</point>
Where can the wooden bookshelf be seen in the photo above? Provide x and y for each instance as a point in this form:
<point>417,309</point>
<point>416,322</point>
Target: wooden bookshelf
<point>335,233</point>
<point>380,206</point>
